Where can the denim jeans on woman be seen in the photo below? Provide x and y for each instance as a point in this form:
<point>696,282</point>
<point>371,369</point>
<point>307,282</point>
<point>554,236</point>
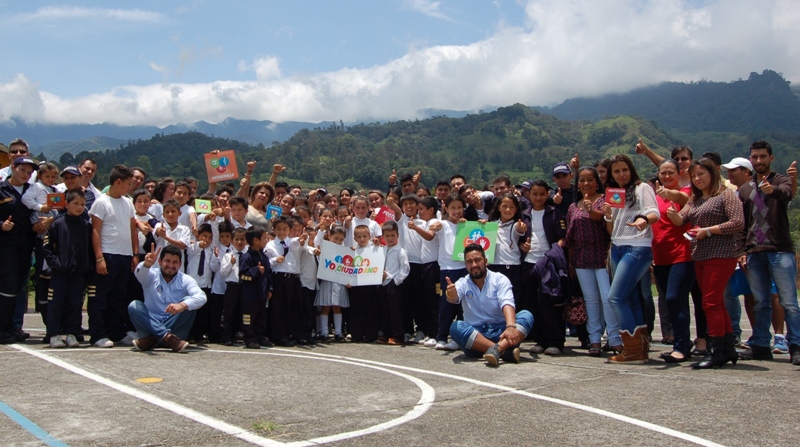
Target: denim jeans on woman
<point>595,284</point>
<point>629,263</point>
<point>677,280</point>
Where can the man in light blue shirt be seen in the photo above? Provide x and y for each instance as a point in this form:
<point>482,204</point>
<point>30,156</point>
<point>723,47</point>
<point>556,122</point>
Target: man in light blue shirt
<point>492,327</point>
<point>170,301</point>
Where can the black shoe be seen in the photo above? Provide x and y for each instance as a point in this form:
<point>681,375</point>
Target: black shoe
<point>21,335</point>
<point>729,348</point>
<point>80,338</point>
<point>339,338</point>
<point>7,339</point>
<point>716,354</point>
<point>286,343</point>
<point>794,354</point>
<point>252,345</point>
<point>756,353</point>
<point>668,358</point>
<point>265,342</point>
<point>239,336</point>
<point>511,355</point>
<point>227,343</point>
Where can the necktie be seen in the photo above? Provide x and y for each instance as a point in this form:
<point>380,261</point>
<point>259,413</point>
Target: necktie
<point>202,267</point>
<point>285,248</point>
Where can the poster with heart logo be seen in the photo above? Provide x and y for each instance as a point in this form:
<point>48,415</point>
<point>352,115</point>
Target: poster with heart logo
<point>484,235</point>
<point>221,166</point>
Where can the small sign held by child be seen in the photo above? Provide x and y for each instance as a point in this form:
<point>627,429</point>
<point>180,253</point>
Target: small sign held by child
<point>202,206</point>
<point>615,197</point>
<point>384,214</point>
<point>273,211</point>
<point>57,201</point>
<point>484,235</point>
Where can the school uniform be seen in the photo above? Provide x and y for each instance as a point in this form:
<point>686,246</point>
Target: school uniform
<point>448,268</point>
<point>411,242</point>
<point>67,249</point>
<point>34,198</point>
<point>255,289</point>
<point>429,298</point>
<point>308,289</point>
<point>200,269</point>
<point>284,314</point>
<point>217,296</point>
<point>232,300</point>
<point>390,294</point>
<point>507,255</point>
<point>363,320</point>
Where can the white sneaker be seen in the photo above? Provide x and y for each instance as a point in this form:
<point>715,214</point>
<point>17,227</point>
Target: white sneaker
<point>440,345</point>
<point>72,342</point>
<point>419,337</point>
<point>128,339</point>
<point>451,346</point>
<point>105,343</point>
<point>430,342</point>
<point>56,342</point>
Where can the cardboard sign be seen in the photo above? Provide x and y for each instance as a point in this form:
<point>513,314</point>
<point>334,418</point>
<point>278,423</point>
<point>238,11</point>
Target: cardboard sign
<point>202,206</point>
<point>384,214</point>
<point>57,201</point>
<point>615,197</point>
<point>221,166</point>
<point>343,265</point>
<point>273,211</point>
<point>484,235</point>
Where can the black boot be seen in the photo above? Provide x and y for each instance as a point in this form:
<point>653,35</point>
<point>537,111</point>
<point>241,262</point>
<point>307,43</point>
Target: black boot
<point>715,356</point>
<point>729,348</point>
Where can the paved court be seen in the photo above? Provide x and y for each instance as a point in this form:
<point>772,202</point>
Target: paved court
<point>365,395</point>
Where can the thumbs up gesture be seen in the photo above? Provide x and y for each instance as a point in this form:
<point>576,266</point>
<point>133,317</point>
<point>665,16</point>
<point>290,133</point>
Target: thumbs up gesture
<point>260,268</point>
<point>521,227</point>
<point>672,211</point>
<point>575,162</point>
<point>393,177</point>
<point>641,148</point>
<point>526,247</point>
<point>8,225</point>
<point>661,191</point>
<point>416,178</point>
<point>450,292</point>
<point>557,198</point>
<point>587,203</point>
<point>792,171</point>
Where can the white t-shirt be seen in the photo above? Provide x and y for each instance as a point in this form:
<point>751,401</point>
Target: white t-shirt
<point>506,251</point>
<point>539,244</point>
<point>116,214</point>
<point>374,230</point>
<point>430,249</point>
<point>447,240</point>
<point>410,240</point>
<point>185,217</point>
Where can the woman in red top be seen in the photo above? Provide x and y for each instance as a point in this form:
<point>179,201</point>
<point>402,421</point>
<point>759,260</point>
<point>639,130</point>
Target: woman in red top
<point>672,258</point>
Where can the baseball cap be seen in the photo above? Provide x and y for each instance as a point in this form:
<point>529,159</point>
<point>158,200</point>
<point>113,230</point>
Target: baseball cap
<point>561,168</point>
<point>70,170</point>
<point>526,184</point>
<point>739,162</point>
<point>26,161</point>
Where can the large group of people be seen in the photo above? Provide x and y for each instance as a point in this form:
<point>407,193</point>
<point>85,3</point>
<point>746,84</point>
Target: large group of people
<point>156,269</point>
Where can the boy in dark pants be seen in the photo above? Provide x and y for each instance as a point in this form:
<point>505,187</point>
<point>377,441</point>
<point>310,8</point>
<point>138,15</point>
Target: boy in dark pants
<point>66,250</point>
<point>232,300</point>
<point>255,278</point>
<point>390,294</point>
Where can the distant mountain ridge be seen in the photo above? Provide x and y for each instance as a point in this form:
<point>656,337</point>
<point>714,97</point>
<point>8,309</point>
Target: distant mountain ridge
<point>763,103</point>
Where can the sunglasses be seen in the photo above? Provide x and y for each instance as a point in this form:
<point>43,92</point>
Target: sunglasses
<point>683,159</point>
<point>18,152</point>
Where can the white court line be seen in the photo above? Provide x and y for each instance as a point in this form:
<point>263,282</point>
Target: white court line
<point>421,407</point>
<point>598,411</point>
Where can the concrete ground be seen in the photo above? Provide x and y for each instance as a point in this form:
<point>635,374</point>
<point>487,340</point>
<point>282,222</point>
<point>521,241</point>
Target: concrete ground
<point>364,395</point>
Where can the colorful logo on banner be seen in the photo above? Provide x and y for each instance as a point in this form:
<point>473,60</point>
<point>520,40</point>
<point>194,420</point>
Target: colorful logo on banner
<point>468,233</point>
<point>57,201</point>
<point>343,265</point>
<point>221,166</point>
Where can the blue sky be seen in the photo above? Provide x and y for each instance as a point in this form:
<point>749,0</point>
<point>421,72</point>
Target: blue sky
<point>163,62</point>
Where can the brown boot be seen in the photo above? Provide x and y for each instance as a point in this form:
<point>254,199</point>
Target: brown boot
<point>145,343</point>
<point>174,343</point>
<point>633,347</point>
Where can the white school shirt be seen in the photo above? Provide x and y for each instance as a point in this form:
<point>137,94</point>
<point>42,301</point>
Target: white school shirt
<point>396,267</point>
<point>291,260</point>
<point>429,251</point>
<point>218,283</point>
<point>410,240</point>
<point>180,233</point>
<point>116,214</point>
<point>238,225</point>
<point>539,243</point>
<point>186,212</point>
<point>374,230</point>
<point>447,240</point>
<point>230,271</point>
<point>141,237</point>
<point>156,210</point>
<point>214,221</point>
<point>506,251</point>
<point>193,267</point>
<point>308,267</point>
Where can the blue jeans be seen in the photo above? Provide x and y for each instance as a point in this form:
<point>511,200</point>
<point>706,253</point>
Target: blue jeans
<point>677,280</point>
<point>464,333</point>
<point>737,285</point>
<point>782,269</point>
<point>629,264</point>
<point>595,285</point>
<point>146,324</point>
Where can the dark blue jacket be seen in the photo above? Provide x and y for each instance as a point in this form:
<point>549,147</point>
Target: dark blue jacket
<point>22,234</point>
<point>255,285</point>
<point>68,245</point>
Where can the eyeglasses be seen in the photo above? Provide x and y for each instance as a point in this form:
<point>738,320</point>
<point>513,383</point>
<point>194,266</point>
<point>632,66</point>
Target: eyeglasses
<point>18,152</point>
<point>683,159</point>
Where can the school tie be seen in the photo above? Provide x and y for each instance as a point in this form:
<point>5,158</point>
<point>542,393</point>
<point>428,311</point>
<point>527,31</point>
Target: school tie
<point>202,267</point>
<point>285,248</point>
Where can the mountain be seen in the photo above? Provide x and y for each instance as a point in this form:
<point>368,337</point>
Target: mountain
<point>55,139</point>
<point>763,103</point>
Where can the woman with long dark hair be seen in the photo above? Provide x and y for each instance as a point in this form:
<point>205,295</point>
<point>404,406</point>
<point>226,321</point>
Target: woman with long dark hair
<point>631,255</point>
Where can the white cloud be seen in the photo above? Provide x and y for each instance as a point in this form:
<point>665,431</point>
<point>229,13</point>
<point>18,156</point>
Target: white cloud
<point>427,7</point>
<point>565,49</point>
<point>59,13</point>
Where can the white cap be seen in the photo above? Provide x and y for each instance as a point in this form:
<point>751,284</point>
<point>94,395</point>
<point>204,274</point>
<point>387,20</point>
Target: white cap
<point>739,162</point>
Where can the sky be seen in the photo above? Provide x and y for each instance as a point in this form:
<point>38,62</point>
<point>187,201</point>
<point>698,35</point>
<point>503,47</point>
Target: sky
<point>182,61</point>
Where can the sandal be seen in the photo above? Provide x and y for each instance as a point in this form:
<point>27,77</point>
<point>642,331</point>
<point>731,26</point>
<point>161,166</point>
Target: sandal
<point>594,350</point>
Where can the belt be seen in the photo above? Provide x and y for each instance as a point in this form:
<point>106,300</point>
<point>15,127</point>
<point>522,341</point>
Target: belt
<point>287,275</point>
